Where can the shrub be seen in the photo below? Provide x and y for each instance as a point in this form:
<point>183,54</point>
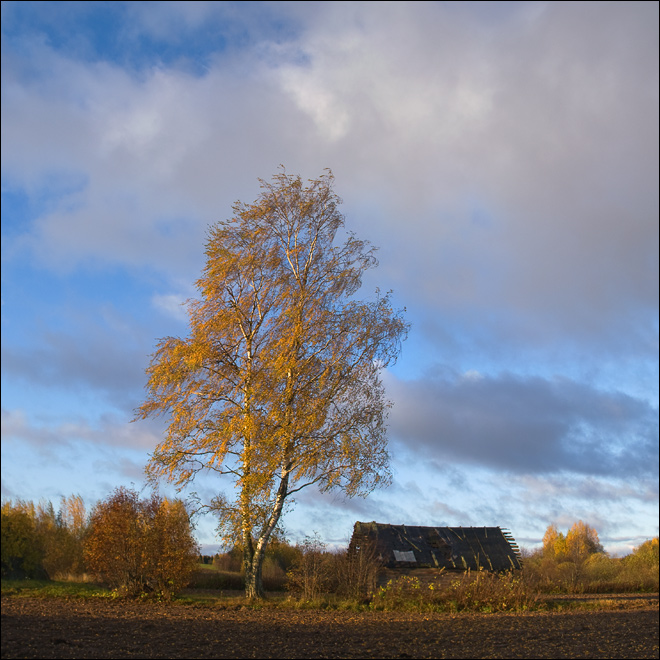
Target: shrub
<point>228,561</point>
<point>141,547</point>
<point>404,592</point>
<point>273,575</point>
<point>357,572</point>
<point>311,574</point>
<point>491,592</point>
<point>476,591</point>
<point>216,580</point>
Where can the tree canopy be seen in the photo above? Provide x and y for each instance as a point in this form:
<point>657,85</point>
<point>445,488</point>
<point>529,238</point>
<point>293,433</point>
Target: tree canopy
<point>278,383</point>
<point>580,541</point>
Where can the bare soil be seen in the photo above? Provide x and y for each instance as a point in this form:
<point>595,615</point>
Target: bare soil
<point>95,628</point>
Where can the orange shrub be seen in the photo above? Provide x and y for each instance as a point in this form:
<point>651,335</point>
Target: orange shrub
<point>141,546</point>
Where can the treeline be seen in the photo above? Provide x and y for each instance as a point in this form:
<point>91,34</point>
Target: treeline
<point>139,547</point>
<point>133,546</point>
<point>40,542</point>
<point>571,562</point>
<point>146,546</point>
<point>575,562</point>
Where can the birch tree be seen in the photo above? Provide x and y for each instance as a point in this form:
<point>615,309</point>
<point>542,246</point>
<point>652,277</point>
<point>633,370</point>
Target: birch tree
<point>278,383</point>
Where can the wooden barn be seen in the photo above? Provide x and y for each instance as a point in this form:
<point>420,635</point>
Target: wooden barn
<point>451,548</point>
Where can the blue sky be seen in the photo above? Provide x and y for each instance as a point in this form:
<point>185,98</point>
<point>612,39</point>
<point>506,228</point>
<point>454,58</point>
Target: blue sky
<point>504,158</point>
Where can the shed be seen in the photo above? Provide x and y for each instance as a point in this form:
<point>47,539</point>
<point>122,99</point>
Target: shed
<point>457,548</point>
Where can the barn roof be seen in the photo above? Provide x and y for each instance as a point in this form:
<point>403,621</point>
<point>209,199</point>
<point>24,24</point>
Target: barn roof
<point>490,548</point>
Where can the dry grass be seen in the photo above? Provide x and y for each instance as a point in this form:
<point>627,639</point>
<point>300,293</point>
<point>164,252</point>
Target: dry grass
<point>471,591</point>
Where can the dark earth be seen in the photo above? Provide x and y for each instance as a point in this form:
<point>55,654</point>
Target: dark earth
<point>96,628</point>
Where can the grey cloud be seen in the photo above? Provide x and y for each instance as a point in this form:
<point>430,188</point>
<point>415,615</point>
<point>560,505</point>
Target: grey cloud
<point>504,161</point>
<point>542,489</point>
<point>108,432</point>
<point>85,364</point>
<point>432,503</point>
<point>124,466</point>
<point>559,147</point>
<point>525,425</point>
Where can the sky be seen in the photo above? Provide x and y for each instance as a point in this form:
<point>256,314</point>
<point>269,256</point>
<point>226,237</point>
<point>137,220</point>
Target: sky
<point>502,156</point>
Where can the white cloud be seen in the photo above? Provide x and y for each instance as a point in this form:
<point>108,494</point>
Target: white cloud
<point>172,304</point>
<point>472,375</point>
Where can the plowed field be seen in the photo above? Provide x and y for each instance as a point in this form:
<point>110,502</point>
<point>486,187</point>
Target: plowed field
<point>76,628</point>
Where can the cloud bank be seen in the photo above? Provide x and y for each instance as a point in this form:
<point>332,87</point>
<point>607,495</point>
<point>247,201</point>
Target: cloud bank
<point>529,426</point>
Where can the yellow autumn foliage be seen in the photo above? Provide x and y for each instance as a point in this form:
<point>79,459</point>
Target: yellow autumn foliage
<point>278,383</point>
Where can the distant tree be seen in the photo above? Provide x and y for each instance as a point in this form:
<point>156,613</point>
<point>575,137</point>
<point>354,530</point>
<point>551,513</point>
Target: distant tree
<point>61,534</point>
<point>53,539</point>
<point>581,542</point>
<point>647,554</point>
<point>38,541</point>
<point>553,542</point>
<point>74,517</point>
<point>577,562</point>
<point>282,552</point>
<point>640,567</point>
<point>278,384</point>
<point>141,546</point>
<point>563,558</point>
<point>22,554</point>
